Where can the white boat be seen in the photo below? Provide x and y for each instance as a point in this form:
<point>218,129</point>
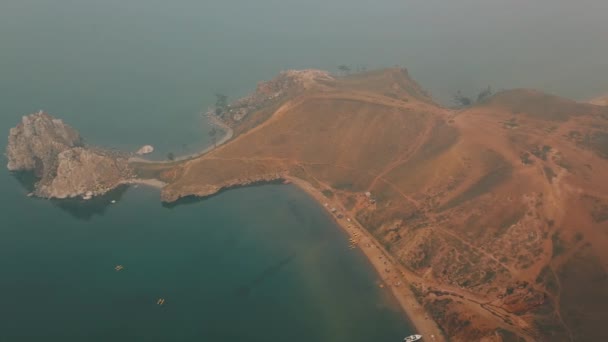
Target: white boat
<point>412,338</point>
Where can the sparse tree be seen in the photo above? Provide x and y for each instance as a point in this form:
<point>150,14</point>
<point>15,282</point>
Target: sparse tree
<point>221,103</point>
<point>345,69</point>
<point>171,156</point>
<point>461,100</point>
<point>221,100</point>
<point>484,94</point>
<point>213,135</point>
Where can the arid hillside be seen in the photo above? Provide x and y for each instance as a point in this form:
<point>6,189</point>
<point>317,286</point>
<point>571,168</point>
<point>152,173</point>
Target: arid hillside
<point>498,212</point>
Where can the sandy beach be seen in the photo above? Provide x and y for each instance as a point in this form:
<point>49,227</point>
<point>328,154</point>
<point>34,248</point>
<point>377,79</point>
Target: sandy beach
<point>392,275</point>
<point>155,183</point>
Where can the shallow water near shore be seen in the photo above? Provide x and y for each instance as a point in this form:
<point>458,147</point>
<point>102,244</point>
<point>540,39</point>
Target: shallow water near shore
<point>262,263</point>
<point>253,264</point>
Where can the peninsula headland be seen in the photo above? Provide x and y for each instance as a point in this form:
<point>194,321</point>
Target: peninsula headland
<point>487,222</point>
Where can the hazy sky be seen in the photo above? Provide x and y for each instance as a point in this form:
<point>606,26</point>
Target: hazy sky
<point>560,46</point>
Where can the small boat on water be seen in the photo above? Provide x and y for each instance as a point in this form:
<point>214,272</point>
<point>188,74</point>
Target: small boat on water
<point>412,338</point>
<point>160,301</point>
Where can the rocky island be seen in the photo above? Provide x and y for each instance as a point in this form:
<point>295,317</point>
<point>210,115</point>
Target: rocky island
<point>63,164</point>
<point>487,223</point>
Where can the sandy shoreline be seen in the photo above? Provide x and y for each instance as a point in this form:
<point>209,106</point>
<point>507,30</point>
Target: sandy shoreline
<point>392,275</point>
<point>155,183</point>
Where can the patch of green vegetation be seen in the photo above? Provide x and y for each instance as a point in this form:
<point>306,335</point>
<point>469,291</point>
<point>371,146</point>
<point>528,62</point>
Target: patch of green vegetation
<point>438,308</point>
<point>424,254</point>
<point>541,151</point>
<point>512,123</point>
<point>328,193</point>
<point>599,209</point>
<point>350,202</point>
<point>525,158</point>
<point>343,186</point>
<point>417,293</point>
<point>462,101</point>
<point>488,277</point>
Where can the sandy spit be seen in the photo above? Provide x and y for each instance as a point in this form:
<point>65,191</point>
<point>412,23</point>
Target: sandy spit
<point>395,281</point>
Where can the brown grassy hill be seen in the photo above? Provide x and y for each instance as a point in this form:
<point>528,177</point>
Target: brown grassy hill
<point>500,211</point>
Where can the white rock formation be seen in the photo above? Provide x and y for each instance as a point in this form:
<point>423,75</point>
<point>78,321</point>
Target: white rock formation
<point>145,150</point>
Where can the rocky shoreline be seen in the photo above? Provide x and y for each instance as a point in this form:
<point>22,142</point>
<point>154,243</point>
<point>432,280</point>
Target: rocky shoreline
<point>170,196</point>
<point>65,167</point>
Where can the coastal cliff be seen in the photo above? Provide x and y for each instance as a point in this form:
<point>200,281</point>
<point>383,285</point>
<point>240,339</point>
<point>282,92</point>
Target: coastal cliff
<point>64,165</point>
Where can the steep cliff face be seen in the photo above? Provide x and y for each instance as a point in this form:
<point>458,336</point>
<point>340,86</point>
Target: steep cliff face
<point>55,152</point>
<point>35,143</point>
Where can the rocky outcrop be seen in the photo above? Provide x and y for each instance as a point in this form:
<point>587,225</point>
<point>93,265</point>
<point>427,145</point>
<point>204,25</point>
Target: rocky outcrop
<point>169,194</point>
<point>35,143</point>
<point>146,149</point>
<point>286,84</point>
<point>65,167</point>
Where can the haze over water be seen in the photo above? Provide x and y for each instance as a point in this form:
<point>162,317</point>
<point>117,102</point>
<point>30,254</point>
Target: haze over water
<point>262,263</point>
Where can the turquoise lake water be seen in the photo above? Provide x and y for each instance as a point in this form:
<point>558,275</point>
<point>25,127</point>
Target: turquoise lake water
<point>257,264</point>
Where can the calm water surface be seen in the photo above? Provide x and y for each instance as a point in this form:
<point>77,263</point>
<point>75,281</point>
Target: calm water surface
<point>256,264</point>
